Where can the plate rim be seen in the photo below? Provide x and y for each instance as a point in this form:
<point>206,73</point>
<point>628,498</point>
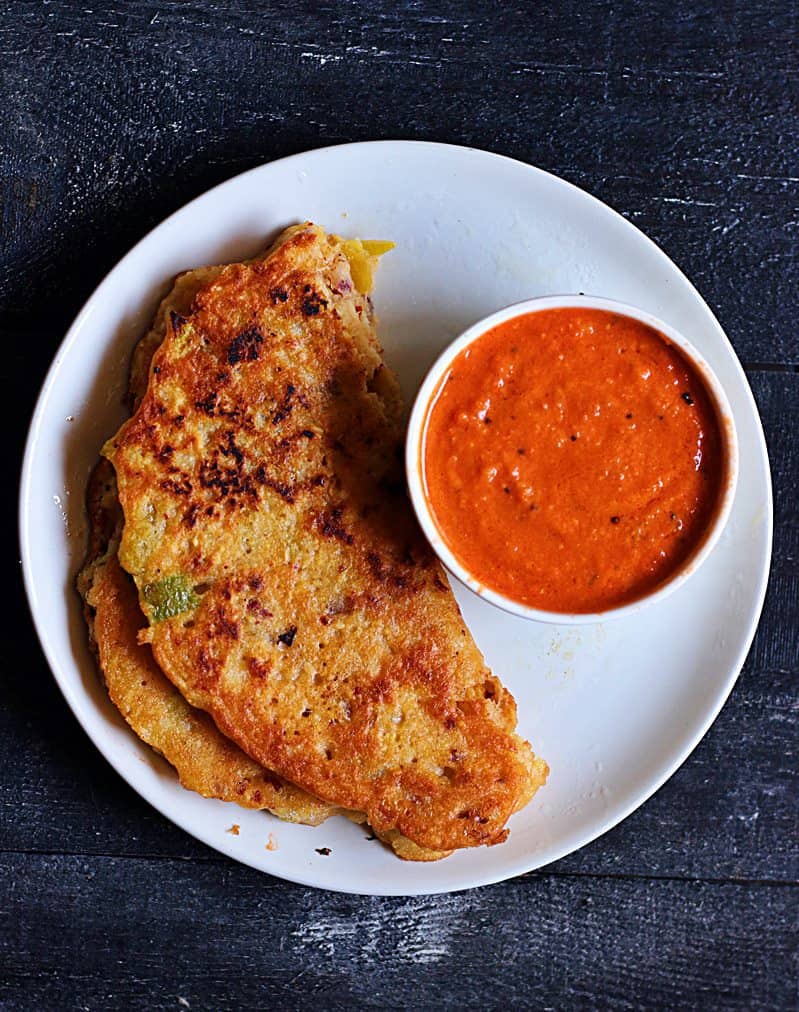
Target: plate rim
<point>75,700</point>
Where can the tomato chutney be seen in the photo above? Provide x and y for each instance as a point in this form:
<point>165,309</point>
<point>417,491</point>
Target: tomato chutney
<point>573,459</point>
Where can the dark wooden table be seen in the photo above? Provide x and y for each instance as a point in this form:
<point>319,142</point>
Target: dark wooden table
<point>684,117</point>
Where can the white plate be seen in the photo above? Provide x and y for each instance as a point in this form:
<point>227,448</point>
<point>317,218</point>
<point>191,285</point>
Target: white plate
<point>614,708</point>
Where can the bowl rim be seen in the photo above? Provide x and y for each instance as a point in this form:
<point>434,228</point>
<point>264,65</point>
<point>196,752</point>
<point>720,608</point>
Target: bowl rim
<point>426,397</point>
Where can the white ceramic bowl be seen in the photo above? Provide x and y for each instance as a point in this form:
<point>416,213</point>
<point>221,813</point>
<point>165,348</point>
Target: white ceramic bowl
<point>414,456</point>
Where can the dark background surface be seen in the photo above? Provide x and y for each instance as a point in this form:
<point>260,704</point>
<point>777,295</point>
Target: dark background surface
<point>684,117</point>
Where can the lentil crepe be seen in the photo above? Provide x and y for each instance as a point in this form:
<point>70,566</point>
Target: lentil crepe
<point>287,589</point>
<point>204,759</point>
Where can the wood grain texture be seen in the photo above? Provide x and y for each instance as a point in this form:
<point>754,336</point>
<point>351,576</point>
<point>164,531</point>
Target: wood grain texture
<point>680,118</point>
<point>684,117</point>
<point>223,937</point>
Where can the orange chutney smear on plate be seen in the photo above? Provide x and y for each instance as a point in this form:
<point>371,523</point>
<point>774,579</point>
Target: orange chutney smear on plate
<point>572,459</point>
